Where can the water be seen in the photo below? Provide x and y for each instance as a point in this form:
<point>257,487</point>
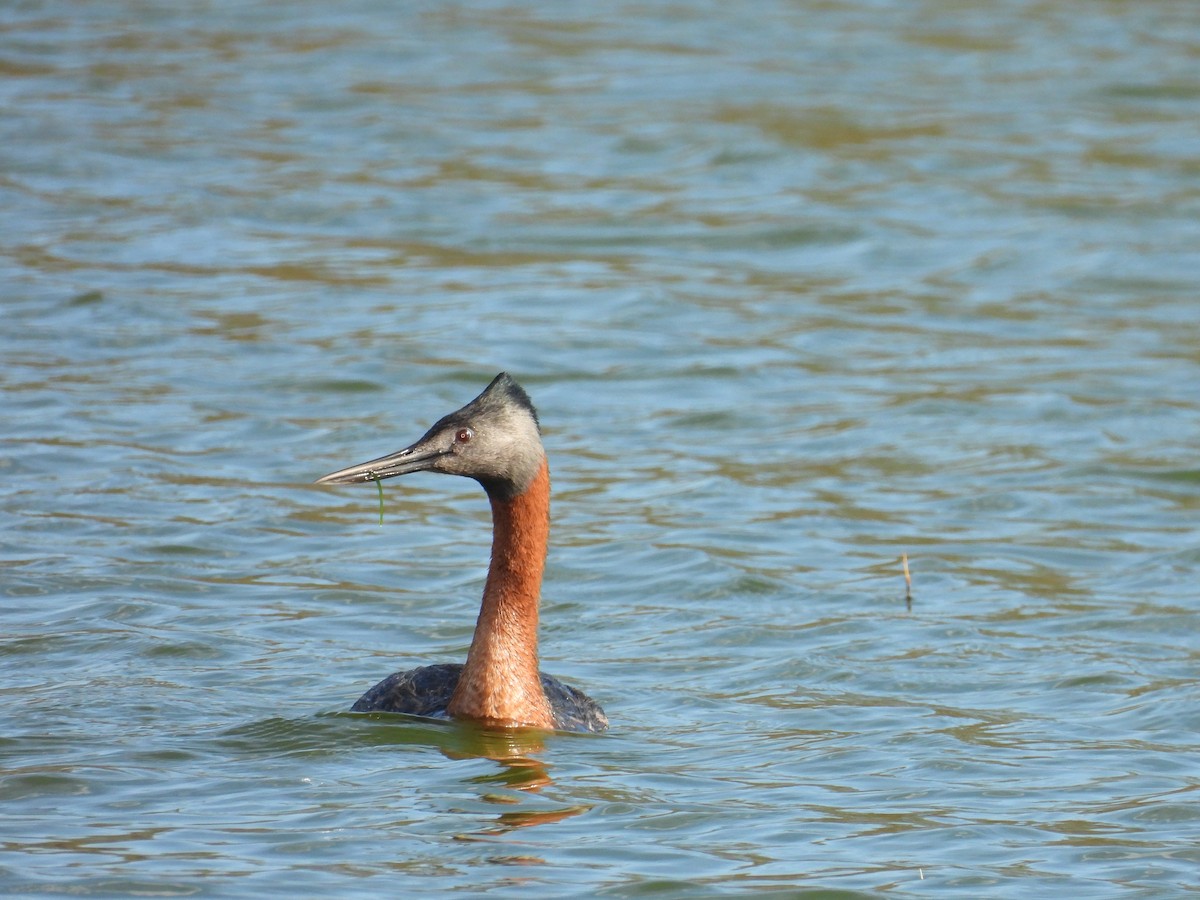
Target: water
<point>797,288</point>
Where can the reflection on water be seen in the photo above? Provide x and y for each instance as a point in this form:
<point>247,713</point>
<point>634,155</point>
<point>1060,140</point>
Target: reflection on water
<point>802,290</point>
<point>520,767</point>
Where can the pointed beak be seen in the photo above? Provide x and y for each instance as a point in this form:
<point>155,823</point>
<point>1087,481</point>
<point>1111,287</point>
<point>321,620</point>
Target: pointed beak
<point>416,458</point>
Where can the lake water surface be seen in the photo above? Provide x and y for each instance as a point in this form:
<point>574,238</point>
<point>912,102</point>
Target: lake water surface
<point>798,288</point>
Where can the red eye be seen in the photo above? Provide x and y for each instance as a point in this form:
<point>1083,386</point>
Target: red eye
<point>464,436</point>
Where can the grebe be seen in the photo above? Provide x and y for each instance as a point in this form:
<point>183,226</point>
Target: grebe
<point>495,439</point>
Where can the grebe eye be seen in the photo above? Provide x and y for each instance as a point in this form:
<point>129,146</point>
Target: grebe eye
<point>464,436</point>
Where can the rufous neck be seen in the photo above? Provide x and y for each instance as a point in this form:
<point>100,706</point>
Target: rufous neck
<point>500,682</point>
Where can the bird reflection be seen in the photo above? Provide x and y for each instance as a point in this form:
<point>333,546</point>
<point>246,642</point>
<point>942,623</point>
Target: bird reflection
<point>514,750</point>
<point>519,768</point>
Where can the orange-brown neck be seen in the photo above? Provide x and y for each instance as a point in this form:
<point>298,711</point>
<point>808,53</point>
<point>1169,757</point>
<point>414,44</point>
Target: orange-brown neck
<point>500,682</point>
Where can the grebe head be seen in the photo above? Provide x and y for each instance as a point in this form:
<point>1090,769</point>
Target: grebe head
<point>494,439</point>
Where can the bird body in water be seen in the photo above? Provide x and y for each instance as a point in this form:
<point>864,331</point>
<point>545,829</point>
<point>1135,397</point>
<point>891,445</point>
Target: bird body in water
<point>495,439</point>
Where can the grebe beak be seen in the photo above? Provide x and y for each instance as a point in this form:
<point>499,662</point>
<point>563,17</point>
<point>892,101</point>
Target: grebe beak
<point>417,458</point>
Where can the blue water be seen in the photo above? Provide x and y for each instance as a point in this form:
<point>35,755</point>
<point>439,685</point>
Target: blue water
<point>798,289</point>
